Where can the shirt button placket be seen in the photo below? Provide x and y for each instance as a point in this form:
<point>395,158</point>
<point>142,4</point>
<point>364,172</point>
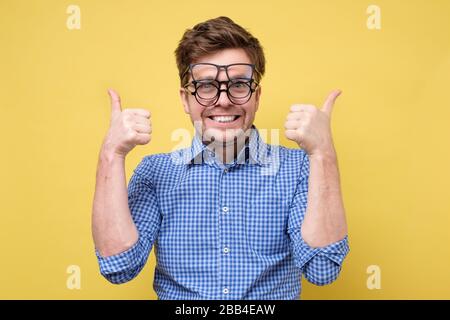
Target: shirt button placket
<point>224,209</point>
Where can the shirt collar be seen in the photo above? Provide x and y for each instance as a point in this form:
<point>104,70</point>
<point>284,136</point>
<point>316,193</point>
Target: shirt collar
<point>255,151</point>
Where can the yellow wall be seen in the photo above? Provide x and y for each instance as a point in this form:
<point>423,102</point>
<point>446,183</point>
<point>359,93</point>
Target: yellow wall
<point>390,128</point>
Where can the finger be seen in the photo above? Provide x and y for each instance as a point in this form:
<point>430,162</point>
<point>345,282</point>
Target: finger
<point>292,124</point>
<point>291,134</point>
<point>115,101</point>
<point>329,103</point>
<point>302,107</point>
<point>140,112</point>
<point>143,138</point>
<point>140,120</point>
<point>297,115</point>
<point>141,128</point>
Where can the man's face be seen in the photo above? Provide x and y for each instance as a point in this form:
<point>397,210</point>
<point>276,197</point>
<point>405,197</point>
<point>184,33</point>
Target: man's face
<point>207,117</point>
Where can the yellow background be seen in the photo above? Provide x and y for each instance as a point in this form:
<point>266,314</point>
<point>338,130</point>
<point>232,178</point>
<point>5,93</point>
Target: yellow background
<point>390,128</point>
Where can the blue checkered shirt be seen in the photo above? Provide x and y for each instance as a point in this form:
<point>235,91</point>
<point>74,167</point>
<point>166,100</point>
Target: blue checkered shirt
<point>224,231</point>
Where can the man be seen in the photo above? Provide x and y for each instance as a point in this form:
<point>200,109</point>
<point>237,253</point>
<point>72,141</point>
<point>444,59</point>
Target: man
<point>231,217</point>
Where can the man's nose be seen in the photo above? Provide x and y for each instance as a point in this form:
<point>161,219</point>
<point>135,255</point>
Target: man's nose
<point>223,99</point>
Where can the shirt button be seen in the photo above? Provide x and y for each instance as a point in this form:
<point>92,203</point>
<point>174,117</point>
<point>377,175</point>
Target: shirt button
<point>225,290</point>
<point>226,250</point>
<point>225,209</point>
<point>225,170</point>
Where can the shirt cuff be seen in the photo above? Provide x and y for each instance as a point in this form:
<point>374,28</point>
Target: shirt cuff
<point>336,251</point>
<point>120,262</point>
<point>303,253</point>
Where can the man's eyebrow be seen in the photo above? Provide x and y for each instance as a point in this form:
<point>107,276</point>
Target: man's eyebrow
<point>241,73</point>
<point>244,77</point>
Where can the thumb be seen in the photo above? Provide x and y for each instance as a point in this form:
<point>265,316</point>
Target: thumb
<point>329,103</point>
<point>115,101</point>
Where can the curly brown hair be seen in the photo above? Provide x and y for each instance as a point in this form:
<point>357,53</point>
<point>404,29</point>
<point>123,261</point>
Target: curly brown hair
<point>213,35</point>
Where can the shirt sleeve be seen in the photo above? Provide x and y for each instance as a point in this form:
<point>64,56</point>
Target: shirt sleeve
<point>320,266</point>
<point>144,208</point>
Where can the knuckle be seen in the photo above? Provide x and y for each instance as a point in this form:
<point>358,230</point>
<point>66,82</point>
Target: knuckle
<point>143,128</point>
<point>145,113</point>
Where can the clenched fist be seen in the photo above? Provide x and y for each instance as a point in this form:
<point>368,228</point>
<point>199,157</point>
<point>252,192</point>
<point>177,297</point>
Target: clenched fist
<point>310,127</point>
<point>128,127</point>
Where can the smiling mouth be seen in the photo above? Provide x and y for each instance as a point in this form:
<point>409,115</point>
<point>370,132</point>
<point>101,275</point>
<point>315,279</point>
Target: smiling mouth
<point>224,119</point>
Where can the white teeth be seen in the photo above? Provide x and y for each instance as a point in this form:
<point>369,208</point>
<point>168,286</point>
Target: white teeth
<point>224,118</point>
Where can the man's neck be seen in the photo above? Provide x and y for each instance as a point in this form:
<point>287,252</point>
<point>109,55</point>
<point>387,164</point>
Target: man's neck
<point>227,152</point>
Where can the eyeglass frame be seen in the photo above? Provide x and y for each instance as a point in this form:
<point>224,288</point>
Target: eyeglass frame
<point>194,82</point>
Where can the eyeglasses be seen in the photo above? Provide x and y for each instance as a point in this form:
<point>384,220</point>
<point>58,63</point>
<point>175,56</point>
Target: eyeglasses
<point>239,87</point>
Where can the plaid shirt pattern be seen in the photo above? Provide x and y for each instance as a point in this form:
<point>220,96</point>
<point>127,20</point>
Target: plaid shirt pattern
<point>224,231</point>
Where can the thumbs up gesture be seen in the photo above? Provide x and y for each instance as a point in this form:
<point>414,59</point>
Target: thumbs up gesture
<point>128,127</point>
<point>310,127</point>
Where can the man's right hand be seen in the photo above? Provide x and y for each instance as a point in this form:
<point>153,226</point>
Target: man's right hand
<point>128,128</point>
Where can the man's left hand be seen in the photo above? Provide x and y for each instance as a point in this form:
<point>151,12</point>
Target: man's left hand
<point>310,127</point>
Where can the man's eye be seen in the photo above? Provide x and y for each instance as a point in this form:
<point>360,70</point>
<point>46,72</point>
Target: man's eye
<point>240,81</point>
<point>206,85</point>
<point>240,84</point>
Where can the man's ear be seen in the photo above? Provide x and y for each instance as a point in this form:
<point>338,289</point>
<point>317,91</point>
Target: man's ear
<point>257,94</point>
<point>184,100</point>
